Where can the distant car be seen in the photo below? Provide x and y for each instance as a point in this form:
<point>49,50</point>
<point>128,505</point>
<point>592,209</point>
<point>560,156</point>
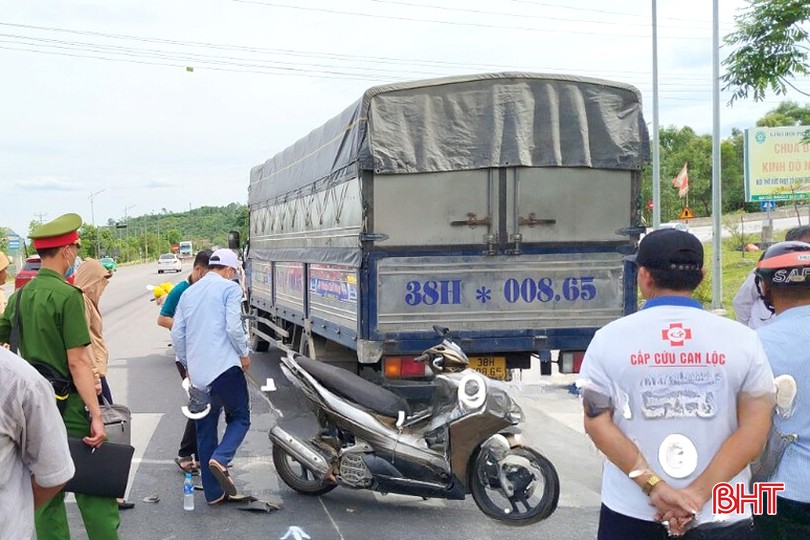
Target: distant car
<point>675,225</point>
<point>28,271</point>
<point>109,263</point>
<point>31,267</point>
<point>169,261</point>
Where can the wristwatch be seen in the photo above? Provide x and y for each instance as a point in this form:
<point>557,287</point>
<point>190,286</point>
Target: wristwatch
<point>650,484</point>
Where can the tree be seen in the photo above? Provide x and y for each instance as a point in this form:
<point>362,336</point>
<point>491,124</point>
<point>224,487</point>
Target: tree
<point>770,48</point>
<point>788,113</point>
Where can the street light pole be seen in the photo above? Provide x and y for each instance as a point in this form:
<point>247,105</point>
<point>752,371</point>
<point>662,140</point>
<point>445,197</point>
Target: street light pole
<point>93,217</point>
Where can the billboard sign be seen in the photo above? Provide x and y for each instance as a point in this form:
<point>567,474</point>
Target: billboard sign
<point>777,163</point>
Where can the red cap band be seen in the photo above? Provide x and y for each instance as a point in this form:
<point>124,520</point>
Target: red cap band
<point>56,241</point>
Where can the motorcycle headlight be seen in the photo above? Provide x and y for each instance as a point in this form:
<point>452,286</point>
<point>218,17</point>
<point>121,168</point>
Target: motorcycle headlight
<point>472,391</point>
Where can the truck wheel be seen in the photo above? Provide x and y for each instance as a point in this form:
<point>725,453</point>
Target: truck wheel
<point>255,342</point>
<point>329,352</point>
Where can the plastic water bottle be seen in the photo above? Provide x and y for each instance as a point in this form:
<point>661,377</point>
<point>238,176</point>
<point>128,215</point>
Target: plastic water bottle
<point>188,493</point>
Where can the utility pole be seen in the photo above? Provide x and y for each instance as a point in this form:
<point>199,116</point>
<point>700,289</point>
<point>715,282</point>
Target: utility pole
<point>656,172</point>
<point>93,217</point>
<point>126,233</point>
<point>717,241</point>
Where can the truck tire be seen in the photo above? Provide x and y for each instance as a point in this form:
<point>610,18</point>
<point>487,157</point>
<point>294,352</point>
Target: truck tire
<point>255,342</point>
<point>329,352</point>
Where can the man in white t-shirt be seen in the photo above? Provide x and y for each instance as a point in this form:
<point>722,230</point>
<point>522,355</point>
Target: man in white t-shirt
<point>677,399</point>
<point>35,461</point>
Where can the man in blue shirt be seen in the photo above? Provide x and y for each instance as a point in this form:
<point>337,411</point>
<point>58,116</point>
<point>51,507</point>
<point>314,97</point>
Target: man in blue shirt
<point>188,444</point>
<point>210,340</point>
<point>784,280</point>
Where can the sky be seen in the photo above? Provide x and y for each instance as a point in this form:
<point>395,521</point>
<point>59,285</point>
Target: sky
<point>126,108</point>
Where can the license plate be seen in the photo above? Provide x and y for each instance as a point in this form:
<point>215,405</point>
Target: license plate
<point>493,367</point>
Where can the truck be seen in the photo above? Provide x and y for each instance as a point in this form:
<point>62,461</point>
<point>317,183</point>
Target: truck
<point>501,206</point>
<point>186,251</point>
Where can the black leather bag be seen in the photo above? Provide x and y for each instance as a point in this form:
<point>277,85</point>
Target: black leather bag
<point>102,472</point>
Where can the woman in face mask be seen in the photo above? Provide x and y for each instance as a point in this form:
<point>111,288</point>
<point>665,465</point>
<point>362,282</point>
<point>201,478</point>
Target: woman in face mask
<point>92,278</point>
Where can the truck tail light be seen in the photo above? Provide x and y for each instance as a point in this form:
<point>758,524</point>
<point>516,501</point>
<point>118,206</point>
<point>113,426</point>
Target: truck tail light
<point>404,367</point>
<point>571,361</point>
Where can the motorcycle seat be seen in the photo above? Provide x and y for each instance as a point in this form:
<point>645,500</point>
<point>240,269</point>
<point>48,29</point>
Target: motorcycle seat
<point>355,388</point>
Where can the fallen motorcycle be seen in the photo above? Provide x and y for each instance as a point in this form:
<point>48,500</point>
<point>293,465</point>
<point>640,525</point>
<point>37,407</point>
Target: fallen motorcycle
<point>466,441</point>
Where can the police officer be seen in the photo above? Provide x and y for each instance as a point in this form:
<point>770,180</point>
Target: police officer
<point>53,331</point>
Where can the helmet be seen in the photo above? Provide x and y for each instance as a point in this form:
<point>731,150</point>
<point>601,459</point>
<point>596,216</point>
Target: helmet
<point>786,264</point>
<point>159,291</point>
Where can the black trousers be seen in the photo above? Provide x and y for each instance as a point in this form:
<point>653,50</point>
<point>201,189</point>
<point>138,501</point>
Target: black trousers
<point>188,444</point>
<point>792,520</point>
<point>615,526</point>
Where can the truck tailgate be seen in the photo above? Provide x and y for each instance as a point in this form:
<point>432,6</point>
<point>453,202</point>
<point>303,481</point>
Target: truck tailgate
<point>526,292</point>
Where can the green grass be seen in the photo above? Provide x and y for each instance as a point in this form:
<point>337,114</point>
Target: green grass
<point>736,267</point>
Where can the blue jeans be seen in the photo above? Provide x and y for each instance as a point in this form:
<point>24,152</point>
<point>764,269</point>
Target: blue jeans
<point>792,520</point>
<point>228,391</point>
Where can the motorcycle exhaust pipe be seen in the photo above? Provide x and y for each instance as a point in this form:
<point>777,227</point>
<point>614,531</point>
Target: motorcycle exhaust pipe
<point>301,452</point>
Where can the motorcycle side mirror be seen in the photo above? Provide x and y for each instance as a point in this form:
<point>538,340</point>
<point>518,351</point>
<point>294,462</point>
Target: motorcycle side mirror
<point>233,240</point>
<point>441,331</point>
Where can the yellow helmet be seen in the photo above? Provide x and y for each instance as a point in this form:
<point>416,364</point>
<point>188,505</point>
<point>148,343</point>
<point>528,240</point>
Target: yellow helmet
<point>167,286</point>
<point>159,291</point>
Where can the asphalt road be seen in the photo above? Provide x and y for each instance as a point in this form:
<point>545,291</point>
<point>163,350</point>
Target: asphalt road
<point>142,375</point>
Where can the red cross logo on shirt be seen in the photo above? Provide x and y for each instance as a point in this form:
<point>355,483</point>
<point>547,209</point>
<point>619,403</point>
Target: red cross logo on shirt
<point>676,334</point>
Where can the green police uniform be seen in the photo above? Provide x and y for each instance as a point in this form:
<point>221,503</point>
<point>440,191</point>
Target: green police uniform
<point>52,321</point>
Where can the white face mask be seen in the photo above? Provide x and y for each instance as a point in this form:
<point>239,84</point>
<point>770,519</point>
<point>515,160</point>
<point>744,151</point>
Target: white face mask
<point>71,265</point>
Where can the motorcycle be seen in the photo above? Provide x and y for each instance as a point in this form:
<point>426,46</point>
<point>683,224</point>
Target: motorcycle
<point>466,441</point>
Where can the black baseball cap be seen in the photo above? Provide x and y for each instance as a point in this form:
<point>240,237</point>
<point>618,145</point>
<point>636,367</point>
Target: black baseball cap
<point>669,249</point>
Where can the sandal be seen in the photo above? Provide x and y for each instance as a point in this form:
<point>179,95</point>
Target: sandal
<point>187,464</point>
<point>220,472</point>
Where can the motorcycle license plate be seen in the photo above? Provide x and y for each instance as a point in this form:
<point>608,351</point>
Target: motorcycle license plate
<point>493,367</point>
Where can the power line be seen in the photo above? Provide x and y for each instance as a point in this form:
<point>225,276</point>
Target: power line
<point>644,24</point>
<point>286,52</point>
<point>460,23</point>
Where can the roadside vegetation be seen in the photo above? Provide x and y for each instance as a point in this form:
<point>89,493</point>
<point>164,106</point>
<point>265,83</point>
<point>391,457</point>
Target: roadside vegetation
<point>737,265</point>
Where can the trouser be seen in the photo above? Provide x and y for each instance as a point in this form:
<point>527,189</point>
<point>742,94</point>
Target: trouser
<point>616,526</point>
<point>792,520</point>
<point>229,392</point>
<point>99,514</point>
<point>188,444</point>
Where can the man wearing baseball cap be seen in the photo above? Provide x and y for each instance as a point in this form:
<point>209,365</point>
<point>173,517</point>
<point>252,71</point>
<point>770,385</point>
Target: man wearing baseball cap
<point>53,331</point>
<point>209,339</point>
<point>677,399</point>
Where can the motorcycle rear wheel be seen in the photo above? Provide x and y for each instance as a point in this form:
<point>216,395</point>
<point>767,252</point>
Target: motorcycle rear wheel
<point>534,499</point>
<point>298,477</point>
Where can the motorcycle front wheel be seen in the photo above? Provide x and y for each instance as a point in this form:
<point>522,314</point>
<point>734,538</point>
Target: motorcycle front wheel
<point>521,489</point>
<point>298,477</point>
